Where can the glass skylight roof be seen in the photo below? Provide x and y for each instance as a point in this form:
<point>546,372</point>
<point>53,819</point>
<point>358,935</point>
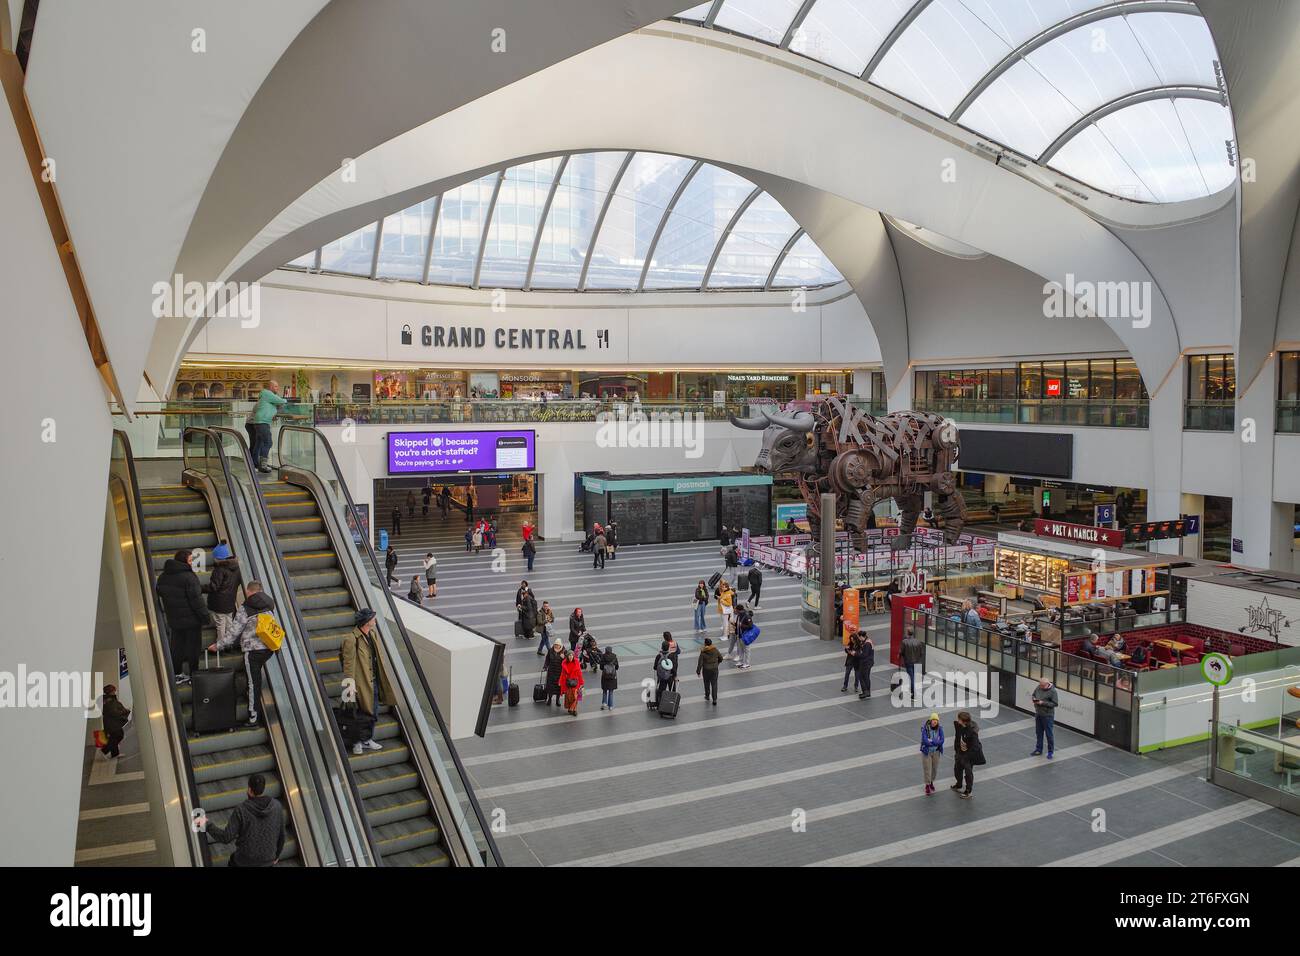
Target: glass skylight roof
<point>601,221</point>
<point>1122,95</point>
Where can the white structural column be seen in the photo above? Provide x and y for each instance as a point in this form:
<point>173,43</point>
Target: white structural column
<point>1263,526</point>
<point>1165,429</point>
<point>55,433</point>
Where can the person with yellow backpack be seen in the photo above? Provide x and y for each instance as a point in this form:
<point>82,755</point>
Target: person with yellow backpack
<point>259,635</point>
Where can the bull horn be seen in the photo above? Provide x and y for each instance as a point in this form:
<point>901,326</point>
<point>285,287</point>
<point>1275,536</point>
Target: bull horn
<point>798,422</point>
<point>752,424</point>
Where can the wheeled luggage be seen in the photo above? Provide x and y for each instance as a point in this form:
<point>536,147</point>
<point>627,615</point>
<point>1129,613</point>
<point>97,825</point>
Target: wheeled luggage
<point>355,725</point>
<point>512,695</point>
<point>714,579</point>
<point>539,690</point>
<point>669,702</point>
<point>214,697</point>
<point>742,582</point>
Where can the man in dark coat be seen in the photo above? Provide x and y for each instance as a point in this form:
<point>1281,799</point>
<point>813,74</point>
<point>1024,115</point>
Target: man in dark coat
<point>554,661</point>
<point>390,565</point>
<point>866,661</point>
<point>256,827</point>
<point>182,600</point>
<point>755,584</point>
<point>115,716</point>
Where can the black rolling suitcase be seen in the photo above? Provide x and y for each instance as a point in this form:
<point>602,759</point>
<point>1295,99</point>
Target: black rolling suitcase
<point>355,725</point>
<point>214,698</point>
<point>539,689</point>
<point>714,579</point>
<point>512,695</point>
<point>519,628</point>
<point>669,702</point>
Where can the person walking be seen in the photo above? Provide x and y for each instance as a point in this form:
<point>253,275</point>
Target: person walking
<point>598,549</point>
<point>665,668</point>
<point>182,600</point>
<point>701,603</point>
<point>571,680</point>
<point>611,540</point>
<point>365,680</point>
<point>931,750</point>
<point>726,607</point>
<point>1045,701</point>
<point>577,627</point>
<point>724,536</point>
<point>444,502</point>
<point>852,648</point>
<point>415,595</point>
<point>114,715</point>
<point>530,552</point>
<point>743,622</point>
<point>969,753</point>
<point>608,677</point>
<point>706,667</point>
<point>866,661</point>
<point>390,566</point>
<point>490,534</point>
<point>755,584</point>
<point>269,402</point>
<point>547,618</point>
<point>410,504</point>
<point>431,573</point>
<point>243,631</point>
<point>912,652</point>
<point>730,564</point>
<point>222,589</point>
<point>478,537</point>
<point>256,827</point>
<point>469,540</point>
<point>527,608</point>
<point>397,521</point>
<point>425,495</point>
<point>552,667</point>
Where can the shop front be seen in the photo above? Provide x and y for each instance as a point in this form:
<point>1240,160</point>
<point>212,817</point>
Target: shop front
<point>650,509</point>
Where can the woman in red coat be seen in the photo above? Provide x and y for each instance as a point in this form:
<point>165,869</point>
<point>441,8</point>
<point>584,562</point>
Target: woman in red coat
<point>571,681</point>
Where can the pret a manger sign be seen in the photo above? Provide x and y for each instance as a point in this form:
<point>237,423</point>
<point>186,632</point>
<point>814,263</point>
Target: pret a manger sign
<point>1086,534</point>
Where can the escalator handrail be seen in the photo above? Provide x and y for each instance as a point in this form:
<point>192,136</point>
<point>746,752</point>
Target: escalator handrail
<point>369,553</point>
<point>171,694</point>
<point>250,556</point>
<point>300,626</point>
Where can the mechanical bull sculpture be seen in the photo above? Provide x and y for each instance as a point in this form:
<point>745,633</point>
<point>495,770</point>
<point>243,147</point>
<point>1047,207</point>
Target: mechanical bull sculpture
<point>863,460</point>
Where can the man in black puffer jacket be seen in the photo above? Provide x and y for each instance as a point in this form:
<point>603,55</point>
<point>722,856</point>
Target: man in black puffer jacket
<point>182,600</point>
<point>256,827</point>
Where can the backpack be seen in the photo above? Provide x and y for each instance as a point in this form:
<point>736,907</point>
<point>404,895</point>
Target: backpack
<point>666,665</point>
<point>609,668</point>
<point>269,631</point>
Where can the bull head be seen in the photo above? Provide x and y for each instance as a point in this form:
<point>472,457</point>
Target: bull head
<point>785,440</point>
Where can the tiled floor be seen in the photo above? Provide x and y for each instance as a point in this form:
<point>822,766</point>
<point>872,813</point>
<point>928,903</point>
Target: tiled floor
<point>786,770</point>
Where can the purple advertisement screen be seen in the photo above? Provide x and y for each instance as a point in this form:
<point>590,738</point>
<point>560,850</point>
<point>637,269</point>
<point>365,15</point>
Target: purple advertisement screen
<point>429,453</point>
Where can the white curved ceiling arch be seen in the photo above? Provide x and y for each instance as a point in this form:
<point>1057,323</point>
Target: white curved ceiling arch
<point>776,123</point>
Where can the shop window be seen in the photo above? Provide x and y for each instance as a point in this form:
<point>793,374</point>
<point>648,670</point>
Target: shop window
<point>1288,392</point>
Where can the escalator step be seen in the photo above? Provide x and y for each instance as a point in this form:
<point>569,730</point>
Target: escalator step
<point>319,578</point>
<point>328,639</point>
<point>170,542</point>
<point>241,761</point>
<point>317,599</point>
<point>389,779</point>
<point>304,524</point>
<point>160,524</point>
<point>392,753</point>
<point>222,795</point>
<point>230,740</point>
<point>395,807</point>
<point>424,856</point>
<point>290,509</point>
<point>329,618</point>
<point>299,543</point>
<point>310,560</point>
<point>406,835</point>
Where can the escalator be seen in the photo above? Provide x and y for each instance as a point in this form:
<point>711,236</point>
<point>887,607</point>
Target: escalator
<point>178,517</point>
<point>396,799</point>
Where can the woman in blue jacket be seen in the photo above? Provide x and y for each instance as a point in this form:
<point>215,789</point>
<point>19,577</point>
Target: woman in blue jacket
<point>931,748</point>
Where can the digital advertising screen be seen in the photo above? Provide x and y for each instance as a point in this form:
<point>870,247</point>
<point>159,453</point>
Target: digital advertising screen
<point>461,452</point>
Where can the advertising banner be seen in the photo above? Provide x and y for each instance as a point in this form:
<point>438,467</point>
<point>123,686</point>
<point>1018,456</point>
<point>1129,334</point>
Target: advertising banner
<point>461,452</point>
<point>851,614</point>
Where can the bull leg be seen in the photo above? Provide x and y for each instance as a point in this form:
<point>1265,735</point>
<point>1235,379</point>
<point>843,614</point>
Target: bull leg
<point>909,507</point>
<point>952,508</point>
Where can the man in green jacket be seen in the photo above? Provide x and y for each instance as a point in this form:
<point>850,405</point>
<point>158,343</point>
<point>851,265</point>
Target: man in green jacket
<point>707,666</point>
<point>268,403</point>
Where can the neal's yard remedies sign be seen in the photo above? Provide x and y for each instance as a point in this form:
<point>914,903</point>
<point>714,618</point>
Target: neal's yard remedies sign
<point>431,453</point>
<point>1086,534</point>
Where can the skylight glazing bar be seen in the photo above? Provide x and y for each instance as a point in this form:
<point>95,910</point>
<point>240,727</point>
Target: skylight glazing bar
<point>433,231</point>
<point>541,221</point>
<point>374,256</point>
<point>1129,99</point>
<point>785,251</point>
<point>487,226</point>
<point>726,234</point>
<point>1060,29</point>
<point>663,221</point>
<point>796,23</point>
<point>713,14</point>
<point>600,219</point>
<point>917,9</point>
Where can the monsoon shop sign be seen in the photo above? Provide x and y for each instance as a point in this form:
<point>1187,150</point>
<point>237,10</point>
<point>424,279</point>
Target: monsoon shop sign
<point>461,452</point>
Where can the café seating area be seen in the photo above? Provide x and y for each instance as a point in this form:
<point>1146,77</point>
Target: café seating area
<point>1174,645</point>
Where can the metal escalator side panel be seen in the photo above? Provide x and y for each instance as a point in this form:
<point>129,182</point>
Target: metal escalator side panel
<point>165,752</point>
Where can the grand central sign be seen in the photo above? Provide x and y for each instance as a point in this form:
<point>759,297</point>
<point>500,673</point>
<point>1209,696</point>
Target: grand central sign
<point>503,337</point>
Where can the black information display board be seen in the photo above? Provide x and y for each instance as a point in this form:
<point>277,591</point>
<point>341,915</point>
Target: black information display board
<point>640,515</point>
<point>692,516</point>
<point>593,508</point>
<point>748,506</point>
<point>1041,454</point>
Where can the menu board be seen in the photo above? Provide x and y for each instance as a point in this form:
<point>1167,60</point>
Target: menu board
<point>747,506</point>
<point>640,515</point>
